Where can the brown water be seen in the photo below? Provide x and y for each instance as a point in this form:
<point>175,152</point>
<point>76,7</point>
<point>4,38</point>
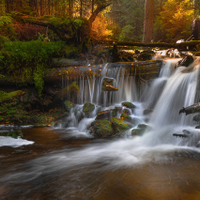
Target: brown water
<point>32,172</point>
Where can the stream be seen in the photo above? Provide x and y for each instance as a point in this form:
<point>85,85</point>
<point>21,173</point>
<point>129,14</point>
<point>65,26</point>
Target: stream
<point>66,162</point>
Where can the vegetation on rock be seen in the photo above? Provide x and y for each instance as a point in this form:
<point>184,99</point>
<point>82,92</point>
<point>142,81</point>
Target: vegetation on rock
<point>88,108</point>
<point>128,105</point>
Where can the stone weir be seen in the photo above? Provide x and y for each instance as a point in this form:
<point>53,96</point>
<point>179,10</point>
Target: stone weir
<point>144,70</point>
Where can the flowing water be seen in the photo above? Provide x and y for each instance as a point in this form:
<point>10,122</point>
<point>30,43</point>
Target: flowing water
<point>65,162</point>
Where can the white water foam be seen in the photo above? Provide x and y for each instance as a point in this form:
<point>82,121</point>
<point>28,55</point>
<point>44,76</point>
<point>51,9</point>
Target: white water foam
<point>9,141</point>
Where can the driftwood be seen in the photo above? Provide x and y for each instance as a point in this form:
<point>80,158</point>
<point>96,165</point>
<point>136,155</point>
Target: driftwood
<point>195,108</point>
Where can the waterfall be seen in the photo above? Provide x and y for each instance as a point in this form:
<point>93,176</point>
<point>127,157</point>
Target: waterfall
<point>172,90</point>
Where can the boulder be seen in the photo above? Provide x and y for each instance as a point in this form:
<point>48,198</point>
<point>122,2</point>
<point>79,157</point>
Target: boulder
<point>126,117</point>
<point>196,118</point>
<point>116,110</point>
<point>88,108</point>
<point>139,131</point>
<point>102,128</point>
<point>104,115</point>
<point>108,85</point>
<point>126,112</point>
<point>119,125</point>
<point>108,128</point>
<point>128,105</point>
<point>147,111</point>
<point>186,61</point>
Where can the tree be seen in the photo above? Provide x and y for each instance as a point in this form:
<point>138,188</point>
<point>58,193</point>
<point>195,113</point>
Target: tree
<point>174,21</point>
<point>148,21</point>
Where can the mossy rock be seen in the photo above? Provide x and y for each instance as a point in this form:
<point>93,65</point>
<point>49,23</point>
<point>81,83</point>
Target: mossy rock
<point>128,105</point>
<point>88,108</point>
<point>68,105</point>
<point>108,85</point>
<point>119,125</point>
<point>196,118</point>
<point>137,132</point>
<point>126,117</point>
<point>102,128</point>
<point>140,130</point>
<point>126,112</point>
<point>4,96</point>
<point>116,110</point>
<point>104,115</point>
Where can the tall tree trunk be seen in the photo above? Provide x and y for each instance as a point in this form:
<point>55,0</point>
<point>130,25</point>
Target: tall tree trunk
<point>9,6</point>
<point>148,21</point>
<point>92,6</point>
<point>19,5</point>
<point>41,7</point>
<point>71,8</point>
<point>81,8</point>
<point>49,7</point>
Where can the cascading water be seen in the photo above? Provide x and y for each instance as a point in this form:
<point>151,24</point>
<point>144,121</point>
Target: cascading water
<point>157,147</point>
<point>166,95</point>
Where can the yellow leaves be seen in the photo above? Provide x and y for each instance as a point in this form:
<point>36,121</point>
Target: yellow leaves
<point>100,27</point>
<point>176,18</point>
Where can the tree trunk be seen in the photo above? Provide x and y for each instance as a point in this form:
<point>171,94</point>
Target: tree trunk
<point>71,8</point>
<point>41,7</point>
<point>9,6</point>
<point>148,21</point>
<point>81,9</point>
<point>95,13</point>
<point>92,6</point>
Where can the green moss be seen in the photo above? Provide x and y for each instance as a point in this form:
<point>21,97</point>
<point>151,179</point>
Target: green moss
<point>68,105</point>
<point>119,125</point>
<point>126,117</point>
<point>128,105</point>
<point>102,128</point>
<point>29,61</point>
<point>88,108</point>
<point>4,96</point>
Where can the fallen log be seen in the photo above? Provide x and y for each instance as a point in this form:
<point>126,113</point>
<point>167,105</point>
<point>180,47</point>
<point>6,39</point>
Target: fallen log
<point>182,45</point>
<point>195,108</point>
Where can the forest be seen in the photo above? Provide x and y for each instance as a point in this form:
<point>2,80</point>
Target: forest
<point>120,20</point>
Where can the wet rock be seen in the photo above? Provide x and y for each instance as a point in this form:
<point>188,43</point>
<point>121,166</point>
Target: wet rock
<point>102,128</point>
<point>126,112</point>
<point>186,61</point>
<point>197,127</point>
<point>109,88</point>
<point>145,55</point>
<point>196,118</point>
<point>126,117</point>
<point>185,134</point>
<point>116,111</point>
<point>180,135</point>
<point>104,115</point>
<point>195,108</point>
<point>119,125</point>
<point>140,130</point>
<point>137,132</point>
<point>88,108</point>
<point>128,105</point>
<point>142,126</point>
<point>147,111</point>
<point>108,85</point>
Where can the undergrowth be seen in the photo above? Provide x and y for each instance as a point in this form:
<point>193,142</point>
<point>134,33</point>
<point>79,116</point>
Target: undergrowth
<point>30,60</point>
